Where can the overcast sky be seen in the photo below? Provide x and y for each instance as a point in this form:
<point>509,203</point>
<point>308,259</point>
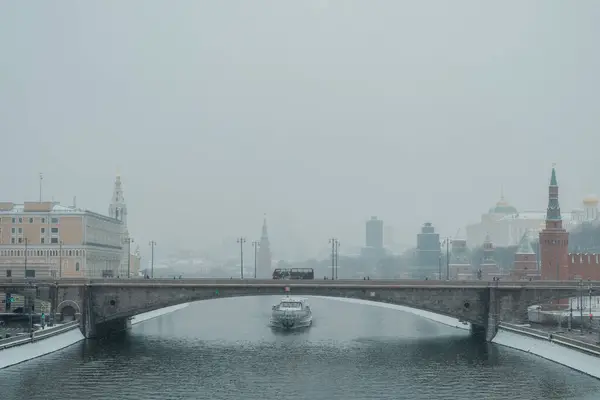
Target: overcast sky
<point>319,113</point>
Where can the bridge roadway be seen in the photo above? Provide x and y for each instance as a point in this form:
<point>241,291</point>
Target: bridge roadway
<point>104,305</point>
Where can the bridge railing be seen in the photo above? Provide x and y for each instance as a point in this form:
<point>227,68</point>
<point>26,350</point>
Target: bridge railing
<point>331,283</point>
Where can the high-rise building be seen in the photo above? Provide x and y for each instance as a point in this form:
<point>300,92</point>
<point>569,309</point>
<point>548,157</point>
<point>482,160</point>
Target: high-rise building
<point>264,257</point>
<point>554,239</point>
<point>428,252</point>
<point>374,233</point>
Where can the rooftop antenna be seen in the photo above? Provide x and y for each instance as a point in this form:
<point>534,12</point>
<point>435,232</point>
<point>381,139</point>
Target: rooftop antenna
<point>41,178</point>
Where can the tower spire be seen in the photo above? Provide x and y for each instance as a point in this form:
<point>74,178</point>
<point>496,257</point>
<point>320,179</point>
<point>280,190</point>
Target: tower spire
<point>553,211</point>
<point>264,252</point>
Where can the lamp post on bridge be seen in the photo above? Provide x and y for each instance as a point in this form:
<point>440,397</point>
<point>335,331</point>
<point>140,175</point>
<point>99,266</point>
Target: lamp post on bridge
<point>60,244</point>
<point>152,244</point>
<point>334,246</point>
<point>241,240</point>
<point>580,292</point>
<point>447,242</point>
<point>590,304</point>
<point>26,242</point>
<point>256,245</point>
<point>337,259</point>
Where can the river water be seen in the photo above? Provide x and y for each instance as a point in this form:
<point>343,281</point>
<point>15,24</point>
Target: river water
<point>223,349</point>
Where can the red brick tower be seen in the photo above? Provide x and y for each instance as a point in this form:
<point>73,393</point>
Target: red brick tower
<point>554,240</point>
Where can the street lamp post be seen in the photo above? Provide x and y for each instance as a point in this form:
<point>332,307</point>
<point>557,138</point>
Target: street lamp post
<point>570,315</point>
<point>590,305</point>
<point>334,242</point>
<point>60,243</point>
<point>580,287</point>
<point>241,240</point>
<point>447,242</point>
<point>26,241</point>
<point>256,245</point>
<point>152,244</point>
<point>337,258</point>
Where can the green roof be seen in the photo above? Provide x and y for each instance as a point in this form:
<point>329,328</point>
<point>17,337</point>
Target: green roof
<point>525,245</point>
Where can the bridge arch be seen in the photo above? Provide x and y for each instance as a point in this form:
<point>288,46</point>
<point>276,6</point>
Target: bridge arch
<point>68,309</point>
<point>470,305</point>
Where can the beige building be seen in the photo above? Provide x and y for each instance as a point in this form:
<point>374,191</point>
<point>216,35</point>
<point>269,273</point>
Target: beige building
<point>49,240</point>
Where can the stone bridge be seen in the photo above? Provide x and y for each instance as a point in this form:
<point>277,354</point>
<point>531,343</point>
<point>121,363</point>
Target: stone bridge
<point>107,305</point>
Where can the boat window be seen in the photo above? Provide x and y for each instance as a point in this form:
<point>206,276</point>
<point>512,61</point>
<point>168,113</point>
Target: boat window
<point>289,304</point>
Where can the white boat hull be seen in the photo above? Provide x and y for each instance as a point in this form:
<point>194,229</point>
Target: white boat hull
<point>290,322</point>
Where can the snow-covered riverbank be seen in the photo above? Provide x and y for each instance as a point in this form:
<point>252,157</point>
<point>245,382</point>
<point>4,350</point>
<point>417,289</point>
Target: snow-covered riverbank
<point>545,348</point>
<point>30,350</point>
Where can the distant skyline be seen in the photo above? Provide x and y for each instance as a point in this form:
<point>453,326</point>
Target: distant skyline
<point>319,114</point>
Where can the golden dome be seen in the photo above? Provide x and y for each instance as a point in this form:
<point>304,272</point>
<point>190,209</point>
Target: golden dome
<point>590,200</point>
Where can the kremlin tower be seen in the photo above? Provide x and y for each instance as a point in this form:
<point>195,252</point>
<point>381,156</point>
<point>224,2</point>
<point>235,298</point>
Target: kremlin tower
<point>554,239</point>
<point>264,270</point>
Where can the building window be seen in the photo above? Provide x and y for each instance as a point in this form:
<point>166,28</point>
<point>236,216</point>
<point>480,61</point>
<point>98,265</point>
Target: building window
<point>30,273</point>
<point>20,220</point>
<point>76,266</point>
<point>42,240</point>
<point>42,230</point>
<point>13,220</point>
<point>54,220</point>
<point>54,240</point>
<point>8,273</point>
<point>12,240</point>
<point>54,230</point>
<point>13,230</point>
<point>31,220</point>
<point>53,274</point>
<point>20,240</point>
<point>20,231</point>
<point>43,220</point>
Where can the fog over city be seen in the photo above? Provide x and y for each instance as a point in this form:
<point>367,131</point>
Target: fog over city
<point>319,114</point>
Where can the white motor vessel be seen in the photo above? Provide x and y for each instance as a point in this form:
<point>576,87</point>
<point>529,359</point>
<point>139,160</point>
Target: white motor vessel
<point>291,313</point>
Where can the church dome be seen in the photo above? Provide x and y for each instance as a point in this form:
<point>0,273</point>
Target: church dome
<point>590,200</point>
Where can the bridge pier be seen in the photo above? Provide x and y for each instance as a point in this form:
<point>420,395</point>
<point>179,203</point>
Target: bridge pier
<point>105,329</point>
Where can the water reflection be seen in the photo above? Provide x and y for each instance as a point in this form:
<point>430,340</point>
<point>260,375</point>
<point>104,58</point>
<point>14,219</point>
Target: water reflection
<point>224,349</point>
